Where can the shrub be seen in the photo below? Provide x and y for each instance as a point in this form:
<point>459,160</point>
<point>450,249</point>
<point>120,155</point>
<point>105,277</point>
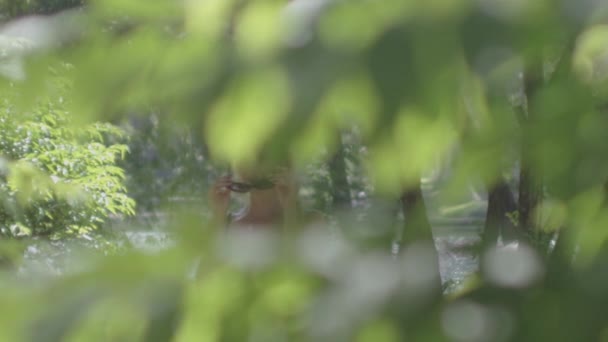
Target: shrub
<point>58,178</point>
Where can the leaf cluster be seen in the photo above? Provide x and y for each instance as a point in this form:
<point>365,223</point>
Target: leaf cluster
<point>59,178</point>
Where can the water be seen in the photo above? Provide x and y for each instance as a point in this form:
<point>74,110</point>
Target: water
<point>43,259</point>
<point>454,235</point>
<point>456,263</point>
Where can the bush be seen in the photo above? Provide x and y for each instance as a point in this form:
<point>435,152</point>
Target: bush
<point>58,178</point>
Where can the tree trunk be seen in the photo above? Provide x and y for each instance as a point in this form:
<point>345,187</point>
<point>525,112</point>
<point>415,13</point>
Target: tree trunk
<point>530,196</point>
<point>337,173</point>
<point>501,203</point>
<point>417,225</point>
<point>417,228</point>
<point>530,185</point>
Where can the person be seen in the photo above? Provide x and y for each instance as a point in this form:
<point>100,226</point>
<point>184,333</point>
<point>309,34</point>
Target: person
<point>272,198</point>
<point>272,203</point>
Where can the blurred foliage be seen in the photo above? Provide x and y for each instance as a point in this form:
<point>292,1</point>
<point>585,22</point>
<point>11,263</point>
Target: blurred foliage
<point>488,85</point>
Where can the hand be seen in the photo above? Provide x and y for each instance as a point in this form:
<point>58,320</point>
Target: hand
<point>219,196</point>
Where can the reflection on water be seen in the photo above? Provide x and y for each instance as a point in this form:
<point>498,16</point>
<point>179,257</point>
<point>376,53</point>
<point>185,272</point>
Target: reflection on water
<point>43,258</point>
<point>456,262</point>
<point>456,224</point>
<point>455,228</point>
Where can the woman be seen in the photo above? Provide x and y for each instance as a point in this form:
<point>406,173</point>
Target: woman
<point>272,199</point>
<point>272,202</point>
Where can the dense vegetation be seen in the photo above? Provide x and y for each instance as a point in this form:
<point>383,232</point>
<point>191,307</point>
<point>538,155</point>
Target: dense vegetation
<point>375,103</point>
<point>59,179</point>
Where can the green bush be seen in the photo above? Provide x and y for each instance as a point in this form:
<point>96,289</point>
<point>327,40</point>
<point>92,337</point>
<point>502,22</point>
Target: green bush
<point>59,178</point>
